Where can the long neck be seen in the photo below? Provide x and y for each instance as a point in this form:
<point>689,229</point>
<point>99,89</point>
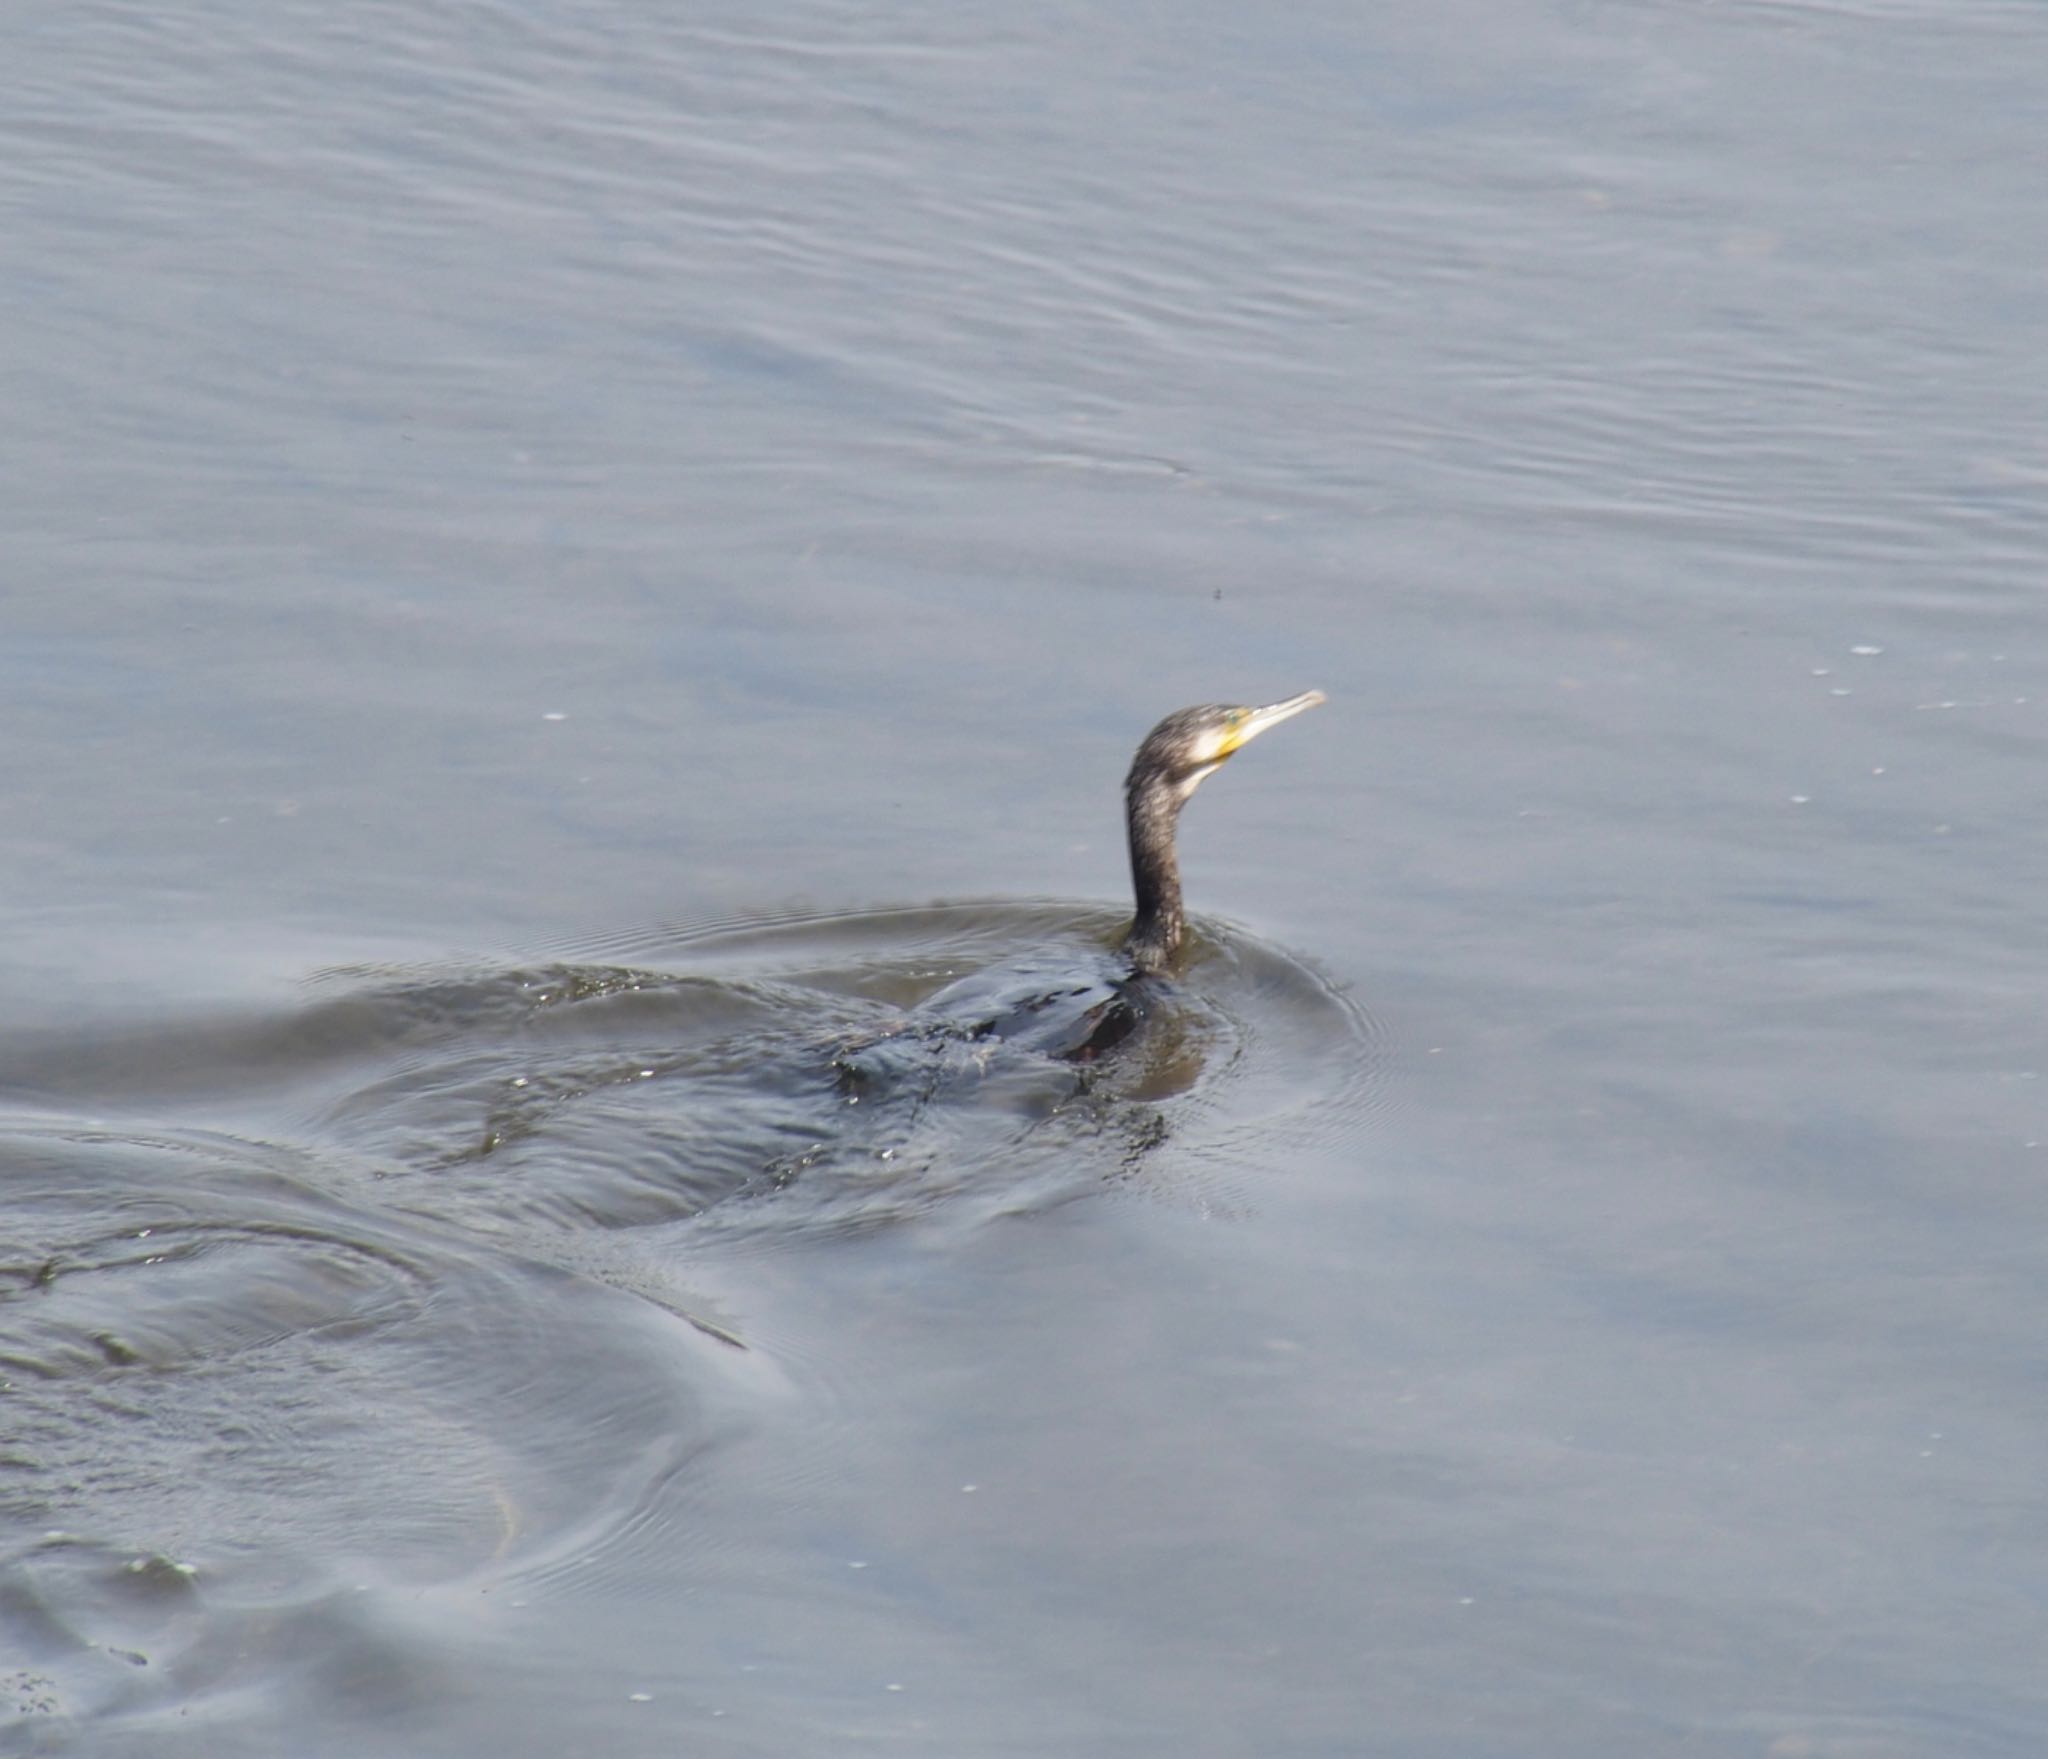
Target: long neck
<point>1154,941</point>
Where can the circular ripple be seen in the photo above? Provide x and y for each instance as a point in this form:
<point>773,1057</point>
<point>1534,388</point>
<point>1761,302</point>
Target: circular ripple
<point>205,1357</point>
<point>696,1076</point>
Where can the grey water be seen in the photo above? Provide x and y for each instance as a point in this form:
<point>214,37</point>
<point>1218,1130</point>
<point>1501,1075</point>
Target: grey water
<point>564,564</point>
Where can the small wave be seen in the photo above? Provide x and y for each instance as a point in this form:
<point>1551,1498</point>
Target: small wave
<point>697,1073</point>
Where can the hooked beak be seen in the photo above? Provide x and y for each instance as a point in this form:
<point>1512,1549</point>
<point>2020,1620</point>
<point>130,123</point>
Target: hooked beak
<point>1271,715</point>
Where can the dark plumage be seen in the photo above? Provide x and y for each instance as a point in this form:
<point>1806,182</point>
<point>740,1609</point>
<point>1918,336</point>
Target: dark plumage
<point>1187,746</point>
<point>1077,1006</point>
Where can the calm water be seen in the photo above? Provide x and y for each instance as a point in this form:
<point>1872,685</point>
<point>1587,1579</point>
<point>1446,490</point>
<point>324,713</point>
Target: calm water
<point>566,563</point>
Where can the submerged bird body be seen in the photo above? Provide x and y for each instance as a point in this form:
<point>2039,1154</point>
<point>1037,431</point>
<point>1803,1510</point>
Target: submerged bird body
<point>1076,1008</point>
<point>1063,1003</point>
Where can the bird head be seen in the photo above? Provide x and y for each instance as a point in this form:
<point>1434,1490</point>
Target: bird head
<point>1193,743</point>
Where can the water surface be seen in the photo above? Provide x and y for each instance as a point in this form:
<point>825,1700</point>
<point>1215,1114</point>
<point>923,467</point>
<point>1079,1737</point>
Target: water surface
<point>564,562</point>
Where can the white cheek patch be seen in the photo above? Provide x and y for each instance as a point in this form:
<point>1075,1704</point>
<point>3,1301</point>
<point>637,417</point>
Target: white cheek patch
<point>1192,779</point>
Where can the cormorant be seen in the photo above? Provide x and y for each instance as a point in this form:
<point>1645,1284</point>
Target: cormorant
<point>1048,1003</point>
